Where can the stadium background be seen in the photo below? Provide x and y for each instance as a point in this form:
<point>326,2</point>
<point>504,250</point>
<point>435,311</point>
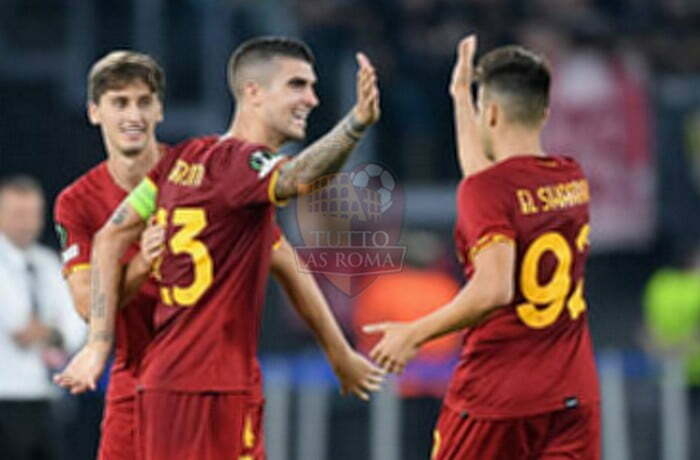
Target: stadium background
<point>626,103</point>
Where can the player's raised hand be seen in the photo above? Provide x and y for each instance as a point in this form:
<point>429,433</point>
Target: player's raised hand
<point>367,110</point>
<point>152,241</point>
<point>397,346</point>
<point>84,369</point>
<point>357,375</point>
<point>463,71</point>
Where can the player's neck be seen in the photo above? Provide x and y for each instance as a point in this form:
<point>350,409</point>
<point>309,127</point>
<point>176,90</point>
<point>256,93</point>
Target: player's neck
<point>127,171</point>
<point>517,142</point>
<point>245,127</point>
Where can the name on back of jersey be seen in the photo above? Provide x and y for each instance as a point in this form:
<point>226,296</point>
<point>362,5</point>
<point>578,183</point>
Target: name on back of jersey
<point>187,174</point>
<point>553,197</point>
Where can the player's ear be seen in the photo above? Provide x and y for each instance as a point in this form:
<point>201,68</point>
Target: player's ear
<point>252,91</point>
<point>159,117</point>
<point>493,115</point>
<point>93,113</point>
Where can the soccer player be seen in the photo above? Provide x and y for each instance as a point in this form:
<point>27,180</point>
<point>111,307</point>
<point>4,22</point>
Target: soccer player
<point>525,385</point>
<point>125,99</point>
<point>215,196</point>
<point>125,96</point>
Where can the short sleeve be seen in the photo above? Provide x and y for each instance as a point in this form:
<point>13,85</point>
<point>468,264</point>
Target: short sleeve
<point>484,214</point>
<point>74,234</point>
<point>248,174</point>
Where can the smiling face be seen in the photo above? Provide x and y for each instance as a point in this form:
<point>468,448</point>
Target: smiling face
<point>128,116</point>
<point>287,97</point>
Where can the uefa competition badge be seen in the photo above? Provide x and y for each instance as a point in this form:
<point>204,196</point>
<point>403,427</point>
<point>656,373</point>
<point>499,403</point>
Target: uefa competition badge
<point>351,225</point>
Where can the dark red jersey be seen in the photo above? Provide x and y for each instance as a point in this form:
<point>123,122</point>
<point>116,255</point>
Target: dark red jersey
<point>215,196</point>
<point>535,354</point>
<point>81,210</point>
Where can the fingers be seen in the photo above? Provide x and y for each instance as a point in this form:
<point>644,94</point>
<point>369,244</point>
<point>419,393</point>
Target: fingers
<point>367,110</point>
<point>74,385</point>
<point>152,242</point>
<point>363,61</point>
<point>375,328</point>
<point>376,375</point>
<point>389,364</point>
<point>462,71</point>
<point>369,386</point>
<point>363,395</point>
<point>467,47</point>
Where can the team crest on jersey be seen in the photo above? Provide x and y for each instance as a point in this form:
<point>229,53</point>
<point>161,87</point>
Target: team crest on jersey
<point>62,234</point>
<point>263,162</point>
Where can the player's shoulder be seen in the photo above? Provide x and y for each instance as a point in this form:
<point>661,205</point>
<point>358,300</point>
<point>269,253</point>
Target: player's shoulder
<point>245,155</point>
<point>89,184</point>
<point>525,168</point>
<point>539,165</point>
<point>191,144</point>
<point>237,148</point>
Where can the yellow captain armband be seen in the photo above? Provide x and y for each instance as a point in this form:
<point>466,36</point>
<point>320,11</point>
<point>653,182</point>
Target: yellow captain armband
<point>143,198</point>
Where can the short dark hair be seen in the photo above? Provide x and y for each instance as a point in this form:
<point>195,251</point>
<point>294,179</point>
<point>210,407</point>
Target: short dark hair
<point>521,75</point>
<point>120,68</point>
<point>260,49</point>
<point>21,183</point>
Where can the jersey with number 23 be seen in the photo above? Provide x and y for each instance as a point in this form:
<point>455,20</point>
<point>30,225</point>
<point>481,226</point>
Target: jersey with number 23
<point>215,197</point>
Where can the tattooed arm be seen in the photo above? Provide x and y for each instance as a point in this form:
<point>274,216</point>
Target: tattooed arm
<point>135,273</point>
<point>109,245</point>
<point>328,154</point>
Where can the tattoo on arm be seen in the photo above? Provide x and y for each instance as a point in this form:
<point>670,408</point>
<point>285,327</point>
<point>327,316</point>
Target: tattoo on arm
<point>119,215</point>
<point>101,336</point>
<point>98,308</point>
<point>96,298</point>
<point>325,156</point>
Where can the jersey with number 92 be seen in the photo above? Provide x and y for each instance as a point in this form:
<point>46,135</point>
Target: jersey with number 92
<point>534,355</point>
<point>214,197</point>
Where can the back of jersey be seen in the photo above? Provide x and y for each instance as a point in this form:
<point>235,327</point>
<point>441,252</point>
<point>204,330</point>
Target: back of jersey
<point>215,198</point>
<point>534,355</point>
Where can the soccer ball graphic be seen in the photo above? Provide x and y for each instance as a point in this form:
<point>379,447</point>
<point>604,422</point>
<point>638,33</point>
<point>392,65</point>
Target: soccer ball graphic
<point>375,177</point>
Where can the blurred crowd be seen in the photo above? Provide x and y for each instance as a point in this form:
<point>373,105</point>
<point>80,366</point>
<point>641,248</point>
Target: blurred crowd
<point>412,43</point>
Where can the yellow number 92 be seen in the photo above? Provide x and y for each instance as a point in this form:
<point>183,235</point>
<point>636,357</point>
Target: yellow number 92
<point>553,293</point>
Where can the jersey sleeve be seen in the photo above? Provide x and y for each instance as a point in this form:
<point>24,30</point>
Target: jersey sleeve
<point>74,233</point>
<point>485,214</point>
<point>249,175</point>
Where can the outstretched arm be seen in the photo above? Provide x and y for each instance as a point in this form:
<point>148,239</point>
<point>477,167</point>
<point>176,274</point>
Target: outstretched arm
<point>109,244</point>
<point>472,157</point>
<point>327,155</point>
<point>355,373</point>
<point>490,288</point>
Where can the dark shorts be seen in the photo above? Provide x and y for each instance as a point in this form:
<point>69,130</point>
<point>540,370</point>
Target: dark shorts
<point>571,434</point>
<point>199,426</point>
